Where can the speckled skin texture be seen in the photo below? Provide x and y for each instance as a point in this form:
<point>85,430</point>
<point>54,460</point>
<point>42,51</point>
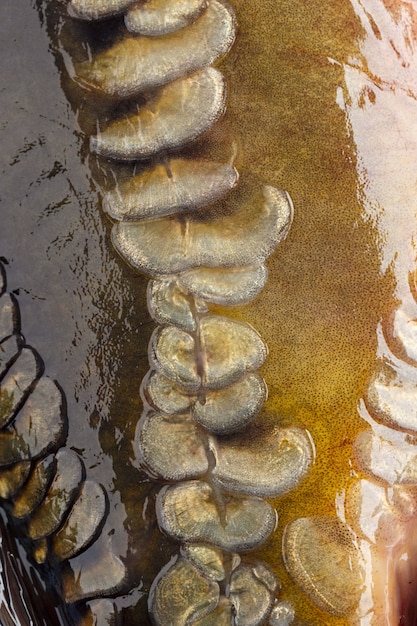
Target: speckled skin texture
<point>325,293</point>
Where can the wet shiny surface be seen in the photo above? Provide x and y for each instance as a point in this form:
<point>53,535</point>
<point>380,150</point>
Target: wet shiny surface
<point>293,76</point>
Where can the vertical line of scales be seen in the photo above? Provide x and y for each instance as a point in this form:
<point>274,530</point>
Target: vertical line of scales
<point>203,383</point>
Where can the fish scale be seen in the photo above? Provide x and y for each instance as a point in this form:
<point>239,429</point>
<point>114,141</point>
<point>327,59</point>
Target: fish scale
<point>43,480</point>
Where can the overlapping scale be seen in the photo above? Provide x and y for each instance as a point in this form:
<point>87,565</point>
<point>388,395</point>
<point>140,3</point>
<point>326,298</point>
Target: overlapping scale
<point>49,516</point>
<point>228,349</point>
<point>16,385</point>
<point>224,351</point>
<point>207,558</point>
<point>37,428</point>
<point>172,447</point>
<point>402,335</point>
<point>93,574</point>
<point>159,17</point>
<point>165,394</point>
<point>394,462</point>
<point>390,397</point>
<point>231,409</point>
<point>252,593</point>
<point>180,112</point>
<point>189,511</point>
<point>140,63</point>
<point>97,9</point>
<point>321,556</point>
<point>246,237</point>
<point>234,286</point>
<point>172,352</point>
<point>34,491</point>
<point>169,304</point>
<point>371,516</point>
<point>170,187</point>
<point>83,522</point>
<point>270,466</point>
<point>182,595</point>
